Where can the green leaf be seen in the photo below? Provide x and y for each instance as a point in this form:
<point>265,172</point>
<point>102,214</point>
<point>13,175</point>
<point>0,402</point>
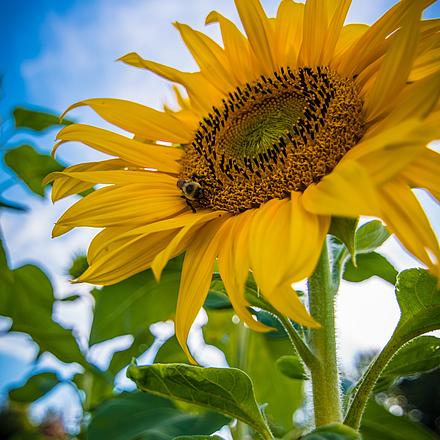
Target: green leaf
<point>378,423</point>
<point>334,431</point>
<point>344,229</point>
<point>370,236</point>
<point>419,301</point>
<point>79,266</point>
<point>262,352</point>
<point>31,167</point>
<point>291,367</point>
<point>133,305</point>
<point>369,265</point>
<point>171,352</point>
<point>419,356</point>
<point>36,120</point>
<point>35,387</point>
<point>226,390</point>
<point>140,416</point>
<point>27,298</point>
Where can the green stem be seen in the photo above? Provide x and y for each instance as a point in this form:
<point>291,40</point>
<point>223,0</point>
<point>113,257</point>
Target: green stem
<point>298,343</point>
<point>325,374</point>
<point>367,383</point>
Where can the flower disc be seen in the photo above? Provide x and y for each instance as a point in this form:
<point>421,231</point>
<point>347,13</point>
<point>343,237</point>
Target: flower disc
<point>273,136</point>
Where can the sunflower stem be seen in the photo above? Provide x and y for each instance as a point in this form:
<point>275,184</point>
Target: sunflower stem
<point>325,373</point>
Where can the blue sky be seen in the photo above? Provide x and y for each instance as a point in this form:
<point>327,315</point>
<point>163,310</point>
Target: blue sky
<point>56,52</point>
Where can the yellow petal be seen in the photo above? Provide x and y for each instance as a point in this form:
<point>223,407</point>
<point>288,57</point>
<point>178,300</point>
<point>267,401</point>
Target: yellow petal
<point>209,56</point>
<point>64,186</point>
<point>132,251</point>
<point>423,172</point>
<point>416,101</point>
<point>182,239</point>
<point>347,191</point>
<point>396,64</point>
<point>121,205</point>
<point>237,48</point>
<point>404,217</point>
<point>259,32</point>
<point>233,264</point>
<point>143,121</point>
<point>201,93</point>
<point>153,179</point>
<point>124,258</point>
<point>373,43</point>
<point>285,299</point>
<point>350,34</point>
<point>148,156</point>
<point>314,33</point>
<point>195,279</point>
<point>337,17</point>
<point>288,32</point>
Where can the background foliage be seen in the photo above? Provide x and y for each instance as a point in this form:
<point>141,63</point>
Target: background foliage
<point>266,388</point>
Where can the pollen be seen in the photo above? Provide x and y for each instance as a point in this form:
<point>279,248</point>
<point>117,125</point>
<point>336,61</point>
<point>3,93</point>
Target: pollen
<point>278,134</point>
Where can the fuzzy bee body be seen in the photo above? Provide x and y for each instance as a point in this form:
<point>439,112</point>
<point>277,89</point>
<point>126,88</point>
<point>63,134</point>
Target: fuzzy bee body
<point>191,191</point>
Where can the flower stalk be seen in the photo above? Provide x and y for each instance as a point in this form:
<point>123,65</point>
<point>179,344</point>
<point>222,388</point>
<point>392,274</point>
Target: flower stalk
<point>325,373</point>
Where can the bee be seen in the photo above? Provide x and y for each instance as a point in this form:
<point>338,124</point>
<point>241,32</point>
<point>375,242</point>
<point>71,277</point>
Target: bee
<point>191,191</point>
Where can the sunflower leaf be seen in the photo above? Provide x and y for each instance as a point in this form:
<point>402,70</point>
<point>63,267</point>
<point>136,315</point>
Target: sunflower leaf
<point>334,431</point>
<point>26,296</point>
<point>418,296</point>
<point>368,265</point>
<point>35,387</point>
<point>225,390</point>
<point>420,355</point>
<point>130,307</point>
<point>142,416</point>
<point>31,166</point>
<point>344,229</point>
<point>36,120</point>
<point>291,367</point>
<point>370,236</point>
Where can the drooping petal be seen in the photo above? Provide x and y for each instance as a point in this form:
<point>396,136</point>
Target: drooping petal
<point>347,191</point>
<point>182,240</point>
<point>138,119</point>
<point>132,251</point>
<point>195,279</point>
<point>404,217</point>
<point>259,31</point>
<point>233,264</point>
<point>423,172</point>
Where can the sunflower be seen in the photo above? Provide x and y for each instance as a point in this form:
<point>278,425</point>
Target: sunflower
<point>300,119</point>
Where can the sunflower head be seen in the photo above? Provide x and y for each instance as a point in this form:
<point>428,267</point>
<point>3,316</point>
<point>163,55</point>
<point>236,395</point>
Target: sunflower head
<point>299,119</point>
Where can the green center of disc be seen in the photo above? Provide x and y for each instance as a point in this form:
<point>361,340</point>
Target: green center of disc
<point>256,128</point>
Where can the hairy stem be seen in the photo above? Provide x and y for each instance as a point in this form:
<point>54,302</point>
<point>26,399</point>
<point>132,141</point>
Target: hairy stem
<point>325,374</point>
